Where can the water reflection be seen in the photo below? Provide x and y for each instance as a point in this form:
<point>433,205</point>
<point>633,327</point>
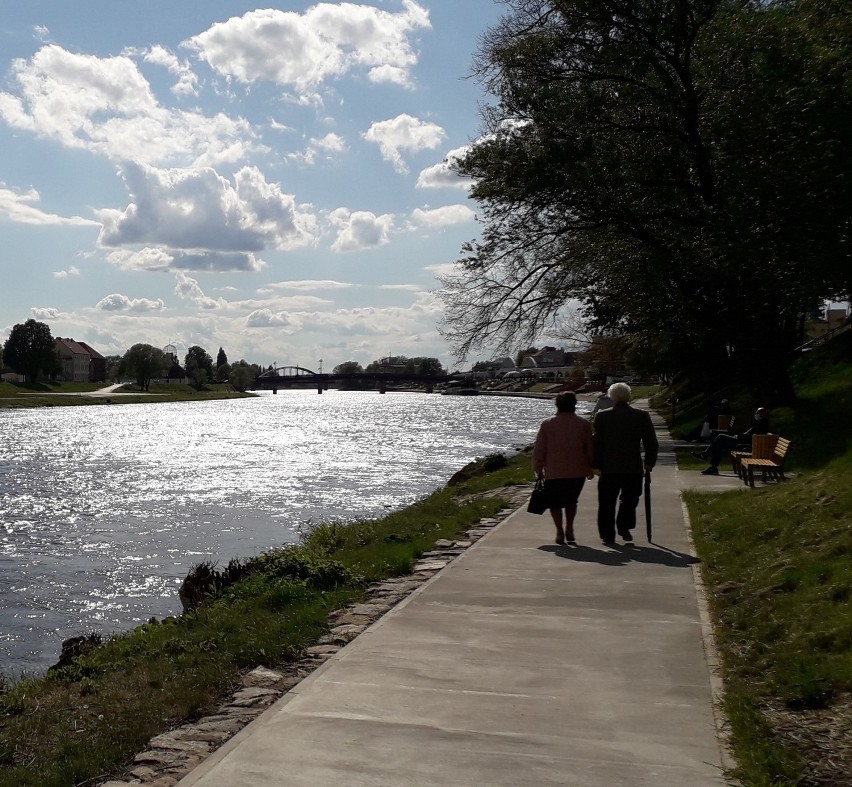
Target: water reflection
<point>103,509</point>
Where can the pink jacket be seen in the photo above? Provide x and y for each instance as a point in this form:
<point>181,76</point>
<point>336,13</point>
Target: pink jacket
<point>564,448</point>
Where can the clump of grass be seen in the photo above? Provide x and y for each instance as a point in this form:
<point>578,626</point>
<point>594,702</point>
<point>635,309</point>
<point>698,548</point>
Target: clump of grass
<point>87,719</point>
<point>778,563</point>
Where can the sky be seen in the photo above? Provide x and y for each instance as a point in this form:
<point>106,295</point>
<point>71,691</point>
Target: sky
<point>270,179</point>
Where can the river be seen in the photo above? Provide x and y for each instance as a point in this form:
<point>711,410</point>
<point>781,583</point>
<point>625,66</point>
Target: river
<point>105,508</point>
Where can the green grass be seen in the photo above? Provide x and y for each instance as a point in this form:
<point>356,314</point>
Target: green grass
<point>778,565</point>
<point>89,719</point>
<point>17,395</point>
<point>645,391</point>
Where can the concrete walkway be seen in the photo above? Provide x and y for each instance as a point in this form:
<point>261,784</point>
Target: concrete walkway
<point>521,663</point>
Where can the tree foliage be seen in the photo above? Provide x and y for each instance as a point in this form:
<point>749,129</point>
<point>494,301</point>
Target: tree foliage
<point>243,375</point>
<point>198,358</point>
<point>144,362</point>
<point>221,358</point>
<point>30,349</point>
<point>678,167</point>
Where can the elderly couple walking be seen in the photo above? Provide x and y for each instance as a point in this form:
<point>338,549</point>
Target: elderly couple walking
<point>568,450</point>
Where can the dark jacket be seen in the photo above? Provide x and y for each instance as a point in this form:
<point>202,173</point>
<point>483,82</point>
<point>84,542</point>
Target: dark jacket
<point>620,435</point>
<point>758,426</point>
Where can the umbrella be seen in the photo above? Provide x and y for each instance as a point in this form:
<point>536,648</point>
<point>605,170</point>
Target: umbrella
<point>648,530</point>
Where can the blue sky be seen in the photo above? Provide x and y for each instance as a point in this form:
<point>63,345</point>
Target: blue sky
<point>269,178</point>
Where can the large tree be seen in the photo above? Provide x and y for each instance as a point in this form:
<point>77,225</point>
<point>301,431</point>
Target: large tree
<point>243,375</point>
<point>198,358</point>
<point>679,168</point>
<point>143,362</point>
<point>30,349</point>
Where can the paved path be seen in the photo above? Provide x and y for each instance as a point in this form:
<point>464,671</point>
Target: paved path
<point>521,663</point>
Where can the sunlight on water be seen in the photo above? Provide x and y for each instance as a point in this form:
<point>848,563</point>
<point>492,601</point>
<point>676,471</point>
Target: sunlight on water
<point>103,509</point>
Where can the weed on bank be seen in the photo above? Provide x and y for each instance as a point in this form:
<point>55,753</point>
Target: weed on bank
<point>87,720</point>
<point>777,562</point>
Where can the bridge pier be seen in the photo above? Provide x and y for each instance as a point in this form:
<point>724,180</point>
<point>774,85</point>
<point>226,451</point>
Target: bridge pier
<point>274,390</point>
<point>319,388</point>
<point>383,387</point>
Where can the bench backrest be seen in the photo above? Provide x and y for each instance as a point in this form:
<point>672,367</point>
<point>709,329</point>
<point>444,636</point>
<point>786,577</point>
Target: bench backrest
<point>781,449</point>
<point>763,445</point>
<point>725,422</point>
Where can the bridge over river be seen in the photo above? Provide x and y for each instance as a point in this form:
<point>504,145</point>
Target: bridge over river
<point>299,377</point>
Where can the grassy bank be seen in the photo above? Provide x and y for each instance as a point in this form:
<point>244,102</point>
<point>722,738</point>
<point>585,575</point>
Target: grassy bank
<point>65,394</point>
<point>90,718</point>
<point>778,565</point>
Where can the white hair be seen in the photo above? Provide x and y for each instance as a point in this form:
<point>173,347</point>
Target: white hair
<point>619,393</point>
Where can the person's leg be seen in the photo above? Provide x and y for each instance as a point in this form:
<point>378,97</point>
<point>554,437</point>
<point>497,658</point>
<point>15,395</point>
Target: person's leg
<point>556,513</point>
<point>574,487</point>
<point>721,446</point>
<point>608,489</point>
<point>631,491</point>
<point>707,451</point>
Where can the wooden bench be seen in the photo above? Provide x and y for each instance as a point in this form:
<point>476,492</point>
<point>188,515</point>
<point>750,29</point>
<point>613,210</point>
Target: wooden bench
<point>724,424</point>
<point>773,467</point>
<point>762,447</point>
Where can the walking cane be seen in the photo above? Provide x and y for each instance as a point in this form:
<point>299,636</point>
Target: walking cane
<point>648,530</point>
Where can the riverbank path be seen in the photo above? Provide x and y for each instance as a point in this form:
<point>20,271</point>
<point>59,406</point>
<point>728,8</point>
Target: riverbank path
<point>521,663</point>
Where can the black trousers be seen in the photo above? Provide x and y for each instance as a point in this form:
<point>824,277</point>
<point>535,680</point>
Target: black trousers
<point>610,486</point>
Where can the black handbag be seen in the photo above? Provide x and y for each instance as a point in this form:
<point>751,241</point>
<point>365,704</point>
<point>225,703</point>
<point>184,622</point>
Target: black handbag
<point>538,498</point>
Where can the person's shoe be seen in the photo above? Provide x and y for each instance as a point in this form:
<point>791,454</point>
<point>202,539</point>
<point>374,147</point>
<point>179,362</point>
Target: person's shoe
<point>699,454</point>
<point>569,537</point>
<point>609,543</point>
<point>626,535</point>
<point>710,471</point>
<point>559,540</point>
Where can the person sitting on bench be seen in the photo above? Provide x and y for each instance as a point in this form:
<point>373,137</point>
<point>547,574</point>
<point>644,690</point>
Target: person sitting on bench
<point>723,444</point>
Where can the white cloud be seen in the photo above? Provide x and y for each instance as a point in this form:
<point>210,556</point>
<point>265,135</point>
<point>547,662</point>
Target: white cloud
<point>327,145</point>
<point>442,217</point>
<point>197,210</point>
<point>105,105</point>
<point>390,74</point>
<point>161,259</point>
<point>188,289</point>
<point>187,84</point>
<point>71,271</point>
<point>21,209</point>
<point>304,50</point>
<point>403,133</point>
<point>45,313</point>
<point>441,269</point>
<point>360,229</point>
<point>121,303</point>
<point>401,287</point>
<point>305,284</point>
<point>266,318</point>
<point>445,174</point>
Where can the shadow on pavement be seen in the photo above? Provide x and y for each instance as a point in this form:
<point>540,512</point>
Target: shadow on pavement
<point>622,555</point>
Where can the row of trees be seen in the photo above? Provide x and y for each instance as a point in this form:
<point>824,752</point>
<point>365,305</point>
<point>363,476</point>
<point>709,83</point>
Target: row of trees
<point>678,168</point>
<point>30,350</point>
<point>145,362</point>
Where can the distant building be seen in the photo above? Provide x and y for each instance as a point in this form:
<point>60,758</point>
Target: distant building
<point>833,318</point>
<point>8,375</point>
<point>549,363</point>
<point>97,364</point>
<point>79,362</point>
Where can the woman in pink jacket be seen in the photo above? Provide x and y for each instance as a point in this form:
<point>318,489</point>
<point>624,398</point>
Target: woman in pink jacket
<point>563,455</point>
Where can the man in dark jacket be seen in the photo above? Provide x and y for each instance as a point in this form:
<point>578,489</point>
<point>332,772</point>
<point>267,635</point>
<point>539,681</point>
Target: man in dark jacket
<point>723,444</point>
<point>621,434</point>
